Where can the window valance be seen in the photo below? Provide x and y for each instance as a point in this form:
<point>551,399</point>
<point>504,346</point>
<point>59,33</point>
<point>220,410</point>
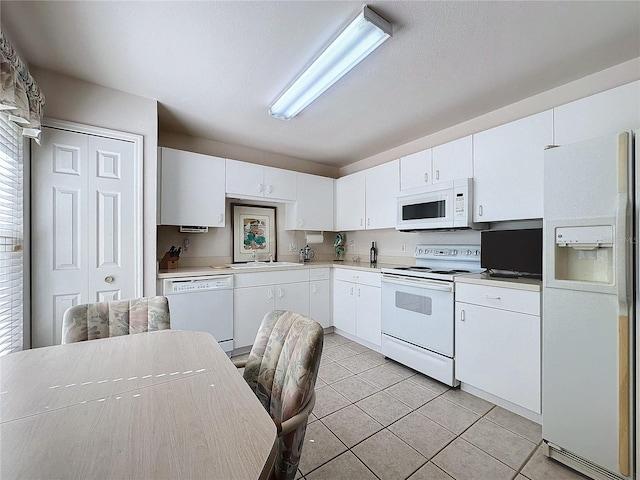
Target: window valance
<point>20,96</point>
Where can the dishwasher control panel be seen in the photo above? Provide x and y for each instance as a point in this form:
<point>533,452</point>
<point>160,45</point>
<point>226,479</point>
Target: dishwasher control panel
<point>197,284</point>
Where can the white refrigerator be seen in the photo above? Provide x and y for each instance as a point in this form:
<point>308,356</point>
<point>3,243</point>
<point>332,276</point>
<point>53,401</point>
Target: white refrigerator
<point>589,323</point>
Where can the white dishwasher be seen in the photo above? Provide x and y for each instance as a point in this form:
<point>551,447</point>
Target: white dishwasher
<point>203,304</point>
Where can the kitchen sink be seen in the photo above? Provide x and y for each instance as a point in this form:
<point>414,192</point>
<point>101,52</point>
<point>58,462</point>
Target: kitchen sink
<point>239,266</point>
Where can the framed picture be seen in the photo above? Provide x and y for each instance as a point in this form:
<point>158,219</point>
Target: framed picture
<point>254,230</point>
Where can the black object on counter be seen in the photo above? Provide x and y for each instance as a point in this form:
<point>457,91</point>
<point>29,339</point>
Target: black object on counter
<point>373,254</point>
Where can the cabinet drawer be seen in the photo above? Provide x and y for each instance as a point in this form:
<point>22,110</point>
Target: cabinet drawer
<point>496,297</point>
<point>319,274</point>
<point>358,276</point>
<point>252,279</point>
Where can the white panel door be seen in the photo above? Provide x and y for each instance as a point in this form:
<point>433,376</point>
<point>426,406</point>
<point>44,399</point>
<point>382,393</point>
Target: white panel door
<point>320,302</point>
<point>453,160</point>
<point>250,305</point>
<point>382,188</point>
<point>344,306</point>
<point>279,184</point>
<point>350,202</point>
<point>368,315</point>
<point>415,170</point>
<point>83,226</point>
<point>293,297</point>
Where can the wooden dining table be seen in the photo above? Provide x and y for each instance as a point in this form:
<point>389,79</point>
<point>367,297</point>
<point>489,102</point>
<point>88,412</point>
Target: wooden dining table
<point>167,404</point>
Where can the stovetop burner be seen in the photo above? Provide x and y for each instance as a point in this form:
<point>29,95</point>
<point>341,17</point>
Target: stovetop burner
<point>442,262</point>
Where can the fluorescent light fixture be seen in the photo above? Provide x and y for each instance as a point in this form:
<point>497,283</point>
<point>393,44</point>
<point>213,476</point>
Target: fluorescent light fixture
<point>367,31</point>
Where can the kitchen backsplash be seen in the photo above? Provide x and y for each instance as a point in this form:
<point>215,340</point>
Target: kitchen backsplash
<point>215,246</point>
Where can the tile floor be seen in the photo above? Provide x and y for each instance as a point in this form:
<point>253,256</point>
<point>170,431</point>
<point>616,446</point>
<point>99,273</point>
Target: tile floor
<point>377,419</point>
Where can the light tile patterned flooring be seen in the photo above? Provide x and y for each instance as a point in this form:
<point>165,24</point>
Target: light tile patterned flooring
<point>375,418</point>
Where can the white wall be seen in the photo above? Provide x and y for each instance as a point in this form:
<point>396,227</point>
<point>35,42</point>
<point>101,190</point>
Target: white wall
<point>90,104</point>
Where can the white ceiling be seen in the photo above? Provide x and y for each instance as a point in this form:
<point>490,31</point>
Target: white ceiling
<point>215,67</point>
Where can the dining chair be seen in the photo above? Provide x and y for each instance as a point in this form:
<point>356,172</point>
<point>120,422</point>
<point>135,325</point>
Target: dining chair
<point>89,321</point>
<point>281,370</point>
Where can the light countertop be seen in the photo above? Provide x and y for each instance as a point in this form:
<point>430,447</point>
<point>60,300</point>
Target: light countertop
<point>219,270</point>
<point>520,283</point>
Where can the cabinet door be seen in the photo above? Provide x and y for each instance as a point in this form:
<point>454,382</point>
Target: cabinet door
<point>293,297</point>
<point>320,302</point>
<point>344,306</point>
<point>499,352</point>
<point>415,170</point>
<point>250,305</point>
<point>453,160</point>
<point>279,184</point>
<point>368,315</point>
<point>382,187</point>
<point>350,202</point>
<point>602,114</point>
<point>508,166</point>
<point>244,179</point>
<point>192,189</point>
<point>313,209</point>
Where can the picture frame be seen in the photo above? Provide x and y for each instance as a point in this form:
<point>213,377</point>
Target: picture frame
<point>254,229</point>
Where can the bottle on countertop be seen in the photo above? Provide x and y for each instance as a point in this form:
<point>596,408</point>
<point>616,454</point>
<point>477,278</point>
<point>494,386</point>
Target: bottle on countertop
<point>373,254</point>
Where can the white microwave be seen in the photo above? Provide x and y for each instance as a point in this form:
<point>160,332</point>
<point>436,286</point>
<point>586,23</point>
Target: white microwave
<point>444,205</point>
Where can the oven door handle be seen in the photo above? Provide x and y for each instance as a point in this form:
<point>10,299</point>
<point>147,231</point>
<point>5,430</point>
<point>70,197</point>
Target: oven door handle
<point>443,287</point>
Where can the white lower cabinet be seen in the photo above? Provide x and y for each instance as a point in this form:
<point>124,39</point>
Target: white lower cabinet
<point>356,304</point>
<point>320,296</point>
<point>497,342</point>
<point>256,294</point>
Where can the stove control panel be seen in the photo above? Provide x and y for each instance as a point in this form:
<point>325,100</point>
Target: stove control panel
<point>461,252</point>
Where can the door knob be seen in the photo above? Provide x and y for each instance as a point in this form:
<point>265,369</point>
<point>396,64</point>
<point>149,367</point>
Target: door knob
<point>109,279</point>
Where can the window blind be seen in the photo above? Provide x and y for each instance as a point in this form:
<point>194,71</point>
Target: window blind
<point>11,235</point>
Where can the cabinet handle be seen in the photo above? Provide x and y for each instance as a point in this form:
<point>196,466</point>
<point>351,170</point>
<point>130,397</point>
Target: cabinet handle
<point>314,289</point>
<point>300,222</point>
<point>280,293</point>
<point>479,210</point>
<point>493,297</point>
<point>269,188</point>
<point>270,294</point>
<point>369,221</point>
<point>358,292</point>
<point>220,217</point>
<point>351,291</point>
<point>462,315</point>
<point>426,177</point>
<point>260,188</point>
<point>437,174</point>
<point>361,222</point>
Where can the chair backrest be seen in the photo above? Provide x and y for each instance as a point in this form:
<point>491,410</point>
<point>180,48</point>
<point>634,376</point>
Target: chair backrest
<point>110,319</point>
<point>282,369</point>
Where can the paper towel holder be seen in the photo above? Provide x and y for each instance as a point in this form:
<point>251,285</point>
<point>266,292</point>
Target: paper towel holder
<point>311,238</point>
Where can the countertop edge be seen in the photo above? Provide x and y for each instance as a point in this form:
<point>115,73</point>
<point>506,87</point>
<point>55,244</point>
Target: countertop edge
<point>529,284</point>
<point>210,271</point>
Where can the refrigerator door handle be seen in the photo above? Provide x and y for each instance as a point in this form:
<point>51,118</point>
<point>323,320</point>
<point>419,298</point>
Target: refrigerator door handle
<point>623,223</point>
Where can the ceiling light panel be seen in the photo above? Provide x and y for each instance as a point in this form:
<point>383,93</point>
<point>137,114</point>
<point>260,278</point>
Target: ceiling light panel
<point>361,37</point>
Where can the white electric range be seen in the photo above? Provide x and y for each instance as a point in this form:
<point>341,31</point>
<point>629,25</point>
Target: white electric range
<point>418,308</point>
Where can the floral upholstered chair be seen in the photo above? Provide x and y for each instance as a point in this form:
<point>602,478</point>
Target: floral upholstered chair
<point>110,319</point>
<point>281,370</point>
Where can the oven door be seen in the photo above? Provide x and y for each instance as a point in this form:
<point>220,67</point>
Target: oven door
<point>420,312</point>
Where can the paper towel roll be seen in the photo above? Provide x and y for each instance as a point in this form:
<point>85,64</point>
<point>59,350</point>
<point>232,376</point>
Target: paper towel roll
<point>314,238</point>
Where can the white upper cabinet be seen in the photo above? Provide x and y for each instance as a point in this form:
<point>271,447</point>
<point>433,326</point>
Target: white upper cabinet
<point>453,160</point>
<point>605,113</point>
<point>191,188</point>
<point>350,198</point>
<point>443,163</point>
<point>248,180</point>
<point>367,199</point>
<point>508,166</point>
<point>313,209</point>
<point>415,170</point>
<point>382,186</point>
